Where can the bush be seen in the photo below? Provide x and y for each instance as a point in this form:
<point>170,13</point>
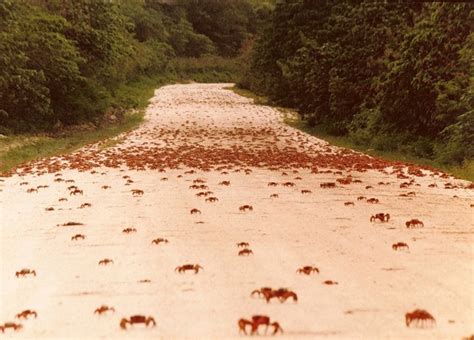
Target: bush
<point>387,142</point>
<point>423,148</point>
<point>64,62</point>
<point>208,69</point>
<point>374,71</point>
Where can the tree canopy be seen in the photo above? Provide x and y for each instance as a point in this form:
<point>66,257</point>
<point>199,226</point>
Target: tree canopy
<point>392,75</point>
<point>389,74</point>
<point>62,60</point>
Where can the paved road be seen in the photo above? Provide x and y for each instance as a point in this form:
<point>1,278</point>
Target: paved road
<point>203,136</point>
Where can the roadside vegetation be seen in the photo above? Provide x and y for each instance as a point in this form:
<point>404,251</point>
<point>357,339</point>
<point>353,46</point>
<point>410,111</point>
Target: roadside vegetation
<point>293,119</point>
<point>17,149</point>
<point>78,71</point>
<point>393,77</point>
<point>63,62</point>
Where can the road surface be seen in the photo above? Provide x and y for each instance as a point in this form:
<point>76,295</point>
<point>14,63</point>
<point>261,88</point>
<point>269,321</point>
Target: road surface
<point>204,135</point>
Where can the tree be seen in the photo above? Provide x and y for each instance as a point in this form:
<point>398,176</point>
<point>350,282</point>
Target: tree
<point>428,73</point>
<point>226,22</point>
<point>386,73</point>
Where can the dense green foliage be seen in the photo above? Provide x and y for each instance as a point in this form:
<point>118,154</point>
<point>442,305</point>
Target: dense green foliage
<point>390,75</point>
<point>396,76</point>
<point>63,62</point>
<point>225,22</point>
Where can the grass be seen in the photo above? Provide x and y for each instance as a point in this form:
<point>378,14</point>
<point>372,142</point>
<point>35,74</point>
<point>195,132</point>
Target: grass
<point>18,149</point>
<point>111,142</point>
<point>259,100</point>
<point>22,148</point>
<point>137,93</point>
<point>291,118</point>
<point>207,69</point>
